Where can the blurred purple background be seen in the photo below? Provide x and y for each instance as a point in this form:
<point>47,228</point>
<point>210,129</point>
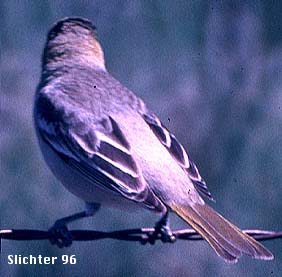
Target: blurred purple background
<point>211,70</point>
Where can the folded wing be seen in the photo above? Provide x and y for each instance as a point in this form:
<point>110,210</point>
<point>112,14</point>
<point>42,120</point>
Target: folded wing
<point>97,150</point>
<point>178,152</point>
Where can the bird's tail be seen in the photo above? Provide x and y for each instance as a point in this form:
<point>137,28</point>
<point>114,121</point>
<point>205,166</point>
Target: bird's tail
<point>227,240</point>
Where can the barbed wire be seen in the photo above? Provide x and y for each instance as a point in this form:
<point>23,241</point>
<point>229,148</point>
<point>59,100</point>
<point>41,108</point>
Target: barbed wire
<point>142,235</point>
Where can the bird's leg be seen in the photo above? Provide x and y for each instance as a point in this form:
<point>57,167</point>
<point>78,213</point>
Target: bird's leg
<point>60,235</point>
<point>162,231</point>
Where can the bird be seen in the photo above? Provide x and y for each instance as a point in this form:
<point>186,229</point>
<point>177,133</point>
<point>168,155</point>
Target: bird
<point>105,145</point>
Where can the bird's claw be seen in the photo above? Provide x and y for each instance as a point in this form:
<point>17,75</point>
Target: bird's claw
<point>165,234</point>
<point>60,235</point>
<point>162,232</point>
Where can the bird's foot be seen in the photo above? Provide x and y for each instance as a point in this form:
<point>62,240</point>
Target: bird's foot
<point>162,231</point>
<point>60,235</point>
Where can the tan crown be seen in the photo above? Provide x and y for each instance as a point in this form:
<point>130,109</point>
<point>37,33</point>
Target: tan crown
<point>74,40</point>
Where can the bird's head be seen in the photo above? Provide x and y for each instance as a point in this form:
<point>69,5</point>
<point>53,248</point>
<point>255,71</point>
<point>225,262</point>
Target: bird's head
<point>73,40</point>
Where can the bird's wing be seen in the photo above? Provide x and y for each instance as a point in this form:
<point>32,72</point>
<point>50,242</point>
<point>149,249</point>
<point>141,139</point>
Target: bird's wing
<point>99,151</point>
<point>177,151</point>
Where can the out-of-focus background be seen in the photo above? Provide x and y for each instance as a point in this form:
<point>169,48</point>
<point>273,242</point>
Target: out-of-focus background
<point>211,70</point>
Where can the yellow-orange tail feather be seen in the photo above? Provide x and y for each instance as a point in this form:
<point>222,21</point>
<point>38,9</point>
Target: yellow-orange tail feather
<point>225,238</point>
